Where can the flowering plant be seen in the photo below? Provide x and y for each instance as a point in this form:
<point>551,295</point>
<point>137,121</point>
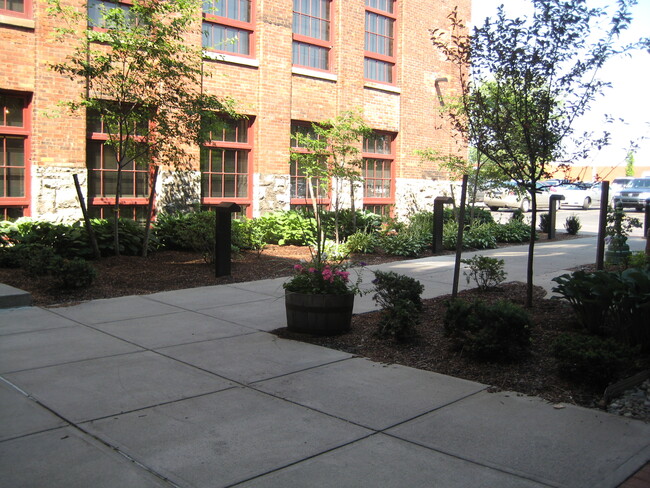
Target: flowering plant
<point>322,278</point>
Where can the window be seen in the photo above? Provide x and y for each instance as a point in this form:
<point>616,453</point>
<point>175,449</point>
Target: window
<point>312,33</point>
<point>16,8</point>
<point>102,163</point>
<point>379,61</point>
<point>377,173</point>
<point>300,197</point>
<point>97,10</point>
<point>228,26</point>
<point>14,155</point>
<point>226,165</point>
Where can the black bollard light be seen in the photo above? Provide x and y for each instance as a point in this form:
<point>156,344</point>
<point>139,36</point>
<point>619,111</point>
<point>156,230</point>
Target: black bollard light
<point>438,219</point>
<point>552,214</point>
<point>223,237</point>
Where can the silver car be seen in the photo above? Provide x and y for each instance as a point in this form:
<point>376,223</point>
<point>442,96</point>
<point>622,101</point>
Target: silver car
<point>635,194</point>
<point>510,196</point>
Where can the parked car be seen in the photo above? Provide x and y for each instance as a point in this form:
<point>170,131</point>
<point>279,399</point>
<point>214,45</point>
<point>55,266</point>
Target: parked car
<point>617,185</point>
<point>510,196</point>
<point>579,195</point>
<point>634,194</point>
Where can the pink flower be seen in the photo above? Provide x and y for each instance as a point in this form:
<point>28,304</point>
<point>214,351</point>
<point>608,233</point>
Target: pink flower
<point>312,270</point>
<point>298,268</point>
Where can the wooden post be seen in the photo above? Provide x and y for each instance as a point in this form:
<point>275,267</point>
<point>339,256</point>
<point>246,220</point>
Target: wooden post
<point>602,226</point>
<point>459,241</point>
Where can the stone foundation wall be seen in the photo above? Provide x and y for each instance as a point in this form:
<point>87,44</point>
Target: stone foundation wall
<point>414,195</point>
<point>178,191</point>
<point>270,193</point>
<point>55,196</point>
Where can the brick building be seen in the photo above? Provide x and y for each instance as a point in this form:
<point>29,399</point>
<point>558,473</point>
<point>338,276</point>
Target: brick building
<point>287,64</point>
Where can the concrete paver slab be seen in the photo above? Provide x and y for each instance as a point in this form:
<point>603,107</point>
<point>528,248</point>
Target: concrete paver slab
<point>171,329</point>
<point>264,315</point>
<point>112,309</point>
<point>21,416</point>
<point>11,297</point>
<point>571,446</point>
<point>96,388</point>
<point>65,458</point>
<point>386,462</point>
<point>57,346</point>
<point>271,287</point>
<point>253,357</point>
<point>370,394</point>
<point>206,297</point>
<point>29,319</point>
<point>224,438</point>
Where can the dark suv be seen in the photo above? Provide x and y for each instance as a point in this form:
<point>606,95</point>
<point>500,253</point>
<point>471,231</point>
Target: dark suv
<point>634,194</point>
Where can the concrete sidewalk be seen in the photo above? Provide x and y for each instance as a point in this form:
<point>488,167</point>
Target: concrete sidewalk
<point>187,388</point>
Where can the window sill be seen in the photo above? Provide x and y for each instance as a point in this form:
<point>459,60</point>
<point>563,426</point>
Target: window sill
<point>382,87</point>
<point>311,73</point>
<point>229,58</point>
<point>16,21</point>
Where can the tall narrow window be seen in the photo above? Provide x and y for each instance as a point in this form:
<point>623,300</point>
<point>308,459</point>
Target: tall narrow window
<point>312,33</point>
<point>102,163</point>
<point>226,165</point>
<point>300,194</point>
<point>97,9</point>
<point>228,26</point>
<point>379,61</point>
<point>16,8</point>
<point>377,172</point>
<point>14,155</point>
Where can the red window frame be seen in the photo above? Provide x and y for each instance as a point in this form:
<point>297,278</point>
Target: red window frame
<point>378,151</point>
<point>298,181</point>
<point>25,14</point>
<point>312,41</point>
<point>99,199</point>
<point>10,206</point>
<point>211,18</point>
<point>236,137</point>
<point>372,55</point>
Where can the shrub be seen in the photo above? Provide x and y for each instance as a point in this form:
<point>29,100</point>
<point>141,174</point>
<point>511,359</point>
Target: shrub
<point>38,260</point>
<point>247,234</point>
<point>481,215</point>
<point>131,237</point>
<point>285,228</point>
<point>590,359</point>
<point>517,215</point>
<point>495,332</point>
<point>399,298</point>
<point>10,256</point>
<point>75,273</point>
<point>638,259</point>
<point>512,231</point>
<point>403,244</point>
<point>572,224</point>
<point>545,223</point>
<point>478,236</point>
<point>485,271</point>
<point>350,222</point>
<point>610,303</point>
<point>362,242</point>
<point>421,224</point>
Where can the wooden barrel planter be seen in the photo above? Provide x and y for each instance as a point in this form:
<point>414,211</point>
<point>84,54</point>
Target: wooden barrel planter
<point>319,314</point>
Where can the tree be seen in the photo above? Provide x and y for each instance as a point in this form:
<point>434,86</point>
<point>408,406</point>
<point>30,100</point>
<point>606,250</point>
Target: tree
<point>142,80</point>
<point>332,158</point>
<point>525,81</point>
<point>629,163</point>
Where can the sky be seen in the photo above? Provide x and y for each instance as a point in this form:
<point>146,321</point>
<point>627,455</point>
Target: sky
<point>629,96</point>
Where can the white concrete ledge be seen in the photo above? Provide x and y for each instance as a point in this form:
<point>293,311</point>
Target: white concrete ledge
<point>229,58</point>
<point>16,21</point>
<point>314,74</point>
<point>382,87</point>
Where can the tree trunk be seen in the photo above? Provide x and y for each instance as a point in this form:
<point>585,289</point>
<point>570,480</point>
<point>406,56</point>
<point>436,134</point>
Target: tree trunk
<point>531,250</point>
<point>88,225</point>
<point>116,210</point>
<point>152,196</point>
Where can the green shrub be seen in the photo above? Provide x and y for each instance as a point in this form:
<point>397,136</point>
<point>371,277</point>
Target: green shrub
<point>545,223</point>
<point>10,256</point>
<point>399,298</point>
<point>38,260</point>
<point>481,215</point>
<point>518,215</point>
<point>350,222</point>
<point>613,304</point>
<point>494,332</point>
<point>421,224</point>
<point>572,224</point>
<point>478,236</point>
<point>486,272</point>
<point>362,242</point>
<point>75,273</point>
<point>512,231</point>
<point>247,234</point>
<point>287,228</point>
<point>590,359</point>
<point>403,244</point>
<point>638,259</point>
<point>131,235</point>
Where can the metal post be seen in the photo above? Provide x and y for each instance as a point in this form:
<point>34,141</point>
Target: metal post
<point>646,224</point>
<point>602,226</point>
<point>223,237</point>
<point>552,214</point>
<point>438,221</point>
